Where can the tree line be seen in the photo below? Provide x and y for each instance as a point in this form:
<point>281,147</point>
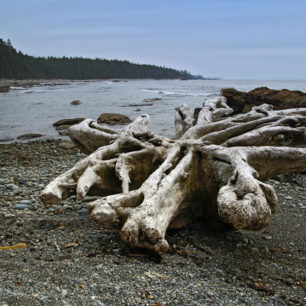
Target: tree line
<point>16,65</point>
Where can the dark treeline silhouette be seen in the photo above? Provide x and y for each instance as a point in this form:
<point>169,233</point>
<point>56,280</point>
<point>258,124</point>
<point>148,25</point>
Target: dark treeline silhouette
<point>16,65</point>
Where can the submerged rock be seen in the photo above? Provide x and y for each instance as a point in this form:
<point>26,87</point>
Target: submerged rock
<point>113,119</point>
<point>62,127</point>
<point>63,124</point>
<point>76,102</point>
<point>29,136</point>
<point>68,122</point>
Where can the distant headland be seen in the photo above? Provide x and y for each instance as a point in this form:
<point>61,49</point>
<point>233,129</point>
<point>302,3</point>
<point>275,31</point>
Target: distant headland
<point>16,65</point>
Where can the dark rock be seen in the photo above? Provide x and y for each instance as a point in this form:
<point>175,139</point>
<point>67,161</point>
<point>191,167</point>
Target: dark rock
<point>76,102</point>
<point>141,104</point>
<point>68,121</point>
<point>6,139</point>
<point>63,133</point>
<point>29,136</point>
<point>152,100</point>
<point>296,178</point>
<point>242,102</point>
<point>4,88</point>
<point>113,119</point>
<point>62,127</point>
<point>82,212</point>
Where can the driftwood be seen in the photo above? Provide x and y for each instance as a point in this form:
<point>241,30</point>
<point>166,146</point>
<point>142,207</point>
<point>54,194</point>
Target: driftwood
<point>213,172</point>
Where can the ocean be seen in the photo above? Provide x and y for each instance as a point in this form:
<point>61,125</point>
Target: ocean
<point>35,109</point>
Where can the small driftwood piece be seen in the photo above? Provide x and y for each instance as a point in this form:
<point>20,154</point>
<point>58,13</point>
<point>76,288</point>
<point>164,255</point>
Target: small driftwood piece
<point>213,172</point>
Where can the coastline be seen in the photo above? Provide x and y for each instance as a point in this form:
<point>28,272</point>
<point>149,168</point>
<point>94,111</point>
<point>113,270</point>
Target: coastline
<point>70,259</point>
<point>5,84</point>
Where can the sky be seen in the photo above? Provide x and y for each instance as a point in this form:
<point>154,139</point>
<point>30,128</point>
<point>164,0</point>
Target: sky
<point>231,39</point>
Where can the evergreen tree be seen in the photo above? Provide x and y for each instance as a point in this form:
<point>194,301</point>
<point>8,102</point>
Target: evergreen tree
<point>16,65</point>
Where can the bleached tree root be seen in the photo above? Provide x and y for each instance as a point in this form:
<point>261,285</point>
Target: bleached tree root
<point>215,170</point>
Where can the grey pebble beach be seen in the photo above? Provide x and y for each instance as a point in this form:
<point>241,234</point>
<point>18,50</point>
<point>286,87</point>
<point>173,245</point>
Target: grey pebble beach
<point>70,260</point>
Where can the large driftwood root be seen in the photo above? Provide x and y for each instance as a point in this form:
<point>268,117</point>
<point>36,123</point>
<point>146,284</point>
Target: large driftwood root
<point>215,170</point>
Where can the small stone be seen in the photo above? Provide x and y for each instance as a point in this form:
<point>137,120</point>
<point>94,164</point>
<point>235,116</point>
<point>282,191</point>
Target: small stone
<point>273,264</point>
<point>64,293</point>
<point>12,187</point>
<point>27,202</point>
<point>210,293</point>
<point>254,250</point>
<point>83,212</point>
<point>267,237</point>
<point>67,145</point>
<point>43,298</point>
<point>76,102</point>
<point>29,136</point>
<point>245,240</point>
<point>21,206</point>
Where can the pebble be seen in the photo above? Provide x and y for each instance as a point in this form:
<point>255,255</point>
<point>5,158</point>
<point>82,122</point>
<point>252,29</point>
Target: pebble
<point>245,240</point>
<point>28,202</point>
<point>21,206</point>
<point>64,293</point>
<point>273,264</point>
<point>118,272</point>
<point>267,237</point>
<point>210,293</point>
<point>12,187</point>
<point>83,212</point>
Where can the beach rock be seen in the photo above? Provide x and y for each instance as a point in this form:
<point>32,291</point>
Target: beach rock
<point>267,237</point>
<point>21,206</point>
<point>67,145</point>
<point>62,127</point>
<point>63,132</point>
<point>76,102</point>
<point>242,102</point>
<point>12,187</point>
<point>297,178</point>
<point>82,212</point>
<point>26,202</point>
<point>6,139</point>
<point>4,88</point>
<point>29,136</point>
<point>151,100</point>
<point>68,122</point>
<point>113,119</point>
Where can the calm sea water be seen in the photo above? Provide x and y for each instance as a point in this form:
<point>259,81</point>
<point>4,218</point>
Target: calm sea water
<point>35,109</point>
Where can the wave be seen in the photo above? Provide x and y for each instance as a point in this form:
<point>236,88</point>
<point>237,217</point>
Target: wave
<point>177,93</point>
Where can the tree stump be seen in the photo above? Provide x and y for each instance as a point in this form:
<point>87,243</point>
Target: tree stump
<point>213,172</point>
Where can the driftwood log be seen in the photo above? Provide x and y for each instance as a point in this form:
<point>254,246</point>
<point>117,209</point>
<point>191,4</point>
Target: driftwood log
<point>213,172</point>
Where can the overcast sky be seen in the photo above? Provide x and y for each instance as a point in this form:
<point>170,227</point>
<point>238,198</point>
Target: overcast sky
<point>232,39</point>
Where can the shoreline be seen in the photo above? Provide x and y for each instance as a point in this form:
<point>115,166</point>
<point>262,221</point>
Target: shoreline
<point>70,259</point>
<point>5,84</point>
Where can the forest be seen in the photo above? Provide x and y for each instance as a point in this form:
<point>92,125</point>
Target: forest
<point>16,65</point>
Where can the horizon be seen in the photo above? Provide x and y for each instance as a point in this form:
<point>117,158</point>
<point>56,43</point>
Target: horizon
<point>228,39</point>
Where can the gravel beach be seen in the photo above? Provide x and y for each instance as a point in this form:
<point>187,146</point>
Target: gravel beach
<point>67,259</point>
